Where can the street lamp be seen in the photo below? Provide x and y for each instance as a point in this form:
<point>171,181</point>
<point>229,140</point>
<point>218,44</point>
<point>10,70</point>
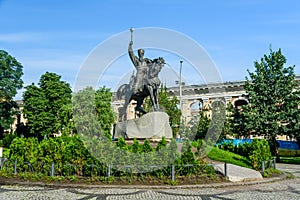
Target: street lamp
<point>180,85</point>
<point>180,96</point>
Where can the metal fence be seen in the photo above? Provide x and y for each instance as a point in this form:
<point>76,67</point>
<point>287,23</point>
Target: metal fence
<point>268,164</point>
<point>171,172</point>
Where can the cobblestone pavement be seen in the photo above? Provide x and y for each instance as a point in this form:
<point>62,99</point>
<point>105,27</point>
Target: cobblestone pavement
<point>285,189</point>
<point>294,169</point>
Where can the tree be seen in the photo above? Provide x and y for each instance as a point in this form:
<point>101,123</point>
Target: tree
<point>45,105</point>
<point>38,120</point>
<point>11,72</point>
<point>217,127</point>
<point>93,113</point>
<point>65,120</point>
<point>84,114</point>
<point>273,99</point>
<point>197,127</point>
<point>105,114</point>
<point>170,104</point>
<point>236,121</point>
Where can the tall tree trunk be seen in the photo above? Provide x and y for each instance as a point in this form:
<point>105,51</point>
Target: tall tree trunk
<point>274,146</point>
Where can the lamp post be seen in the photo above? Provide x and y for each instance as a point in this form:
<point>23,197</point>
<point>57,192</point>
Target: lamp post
<point>180,96</point>
<point>180,85</point>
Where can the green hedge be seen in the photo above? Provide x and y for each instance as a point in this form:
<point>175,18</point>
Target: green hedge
<point>71,151</point>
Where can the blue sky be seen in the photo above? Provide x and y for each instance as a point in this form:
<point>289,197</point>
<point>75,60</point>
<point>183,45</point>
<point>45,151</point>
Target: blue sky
<point>57,36</point>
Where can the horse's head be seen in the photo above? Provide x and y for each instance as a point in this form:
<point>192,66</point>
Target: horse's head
<point>160,60</point>
<point>158,63</point>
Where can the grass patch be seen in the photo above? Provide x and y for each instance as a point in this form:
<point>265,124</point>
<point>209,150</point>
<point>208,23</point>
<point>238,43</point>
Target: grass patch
<point>271,172</point>
<point>226,156</point>
<point>290,160</point>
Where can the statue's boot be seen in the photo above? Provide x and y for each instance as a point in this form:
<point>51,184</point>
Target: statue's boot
<point>140,109</point>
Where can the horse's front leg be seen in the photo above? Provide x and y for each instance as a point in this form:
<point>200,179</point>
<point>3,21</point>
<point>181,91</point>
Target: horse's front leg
<point>155,96</point>
<point>152,97</point>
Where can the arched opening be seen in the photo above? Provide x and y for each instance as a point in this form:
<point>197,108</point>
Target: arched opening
<point>239,103</point>
<point>195,107</point>
<point>218,104</point>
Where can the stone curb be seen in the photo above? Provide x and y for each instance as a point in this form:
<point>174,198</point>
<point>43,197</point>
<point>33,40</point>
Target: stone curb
<point>152,187</point>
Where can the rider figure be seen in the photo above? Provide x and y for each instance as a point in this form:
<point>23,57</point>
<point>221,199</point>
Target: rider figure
<point>141,64</point>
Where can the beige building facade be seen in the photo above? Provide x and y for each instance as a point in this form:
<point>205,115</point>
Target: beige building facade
<point>195,97</point>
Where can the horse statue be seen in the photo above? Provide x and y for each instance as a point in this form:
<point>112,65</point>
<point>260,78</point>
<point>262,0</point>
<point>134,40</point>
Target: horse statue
<point>150,88</point>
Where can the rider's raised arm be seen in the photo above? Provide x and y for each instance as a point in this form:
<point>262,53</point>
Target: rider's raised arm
<point>131,54</point>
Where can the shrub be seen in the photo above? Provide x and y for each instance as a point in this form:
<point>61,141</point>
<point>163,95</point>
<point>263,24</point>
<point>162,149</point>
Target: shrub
<point>260,151</point>
<point>24,150</point>
<point>121,143</point>
<point>7,140</point>
<point>146,148</point>
<point>61,150</point>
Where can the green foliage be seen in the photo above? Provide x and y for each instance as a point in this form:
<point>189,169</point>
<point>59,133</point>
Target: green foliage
<point>259,152</point>
<point>11,72</point>
<point>256,151</point>
<point>273,98</point>
<point>186,145</point>
<point>52,150</point>
<point>72,160</point>
<point>146,148</point>
<point>170,106</point>
<point>236,121</point>
<point>241,149</point>
<point>61,150</point>
<point>93,114</point>
<point>212,129</point>
<point>121,143</point>
<point>197,127</point>
<point>161,144</point>
<point>65,120</point>
<point>135,147</point>
<point>290,160</point>
<point>24,150</point>
<point>44,105</point>
<point>172,150</point>
<point>198,144</point>
<point>84,113</point>
<point>187,156</point>
<point>103,98</point>
<point>162,150</point>
<point>173,183</point>
<point>217,124</point>
<point>7,140</point>
<point>271,171</point>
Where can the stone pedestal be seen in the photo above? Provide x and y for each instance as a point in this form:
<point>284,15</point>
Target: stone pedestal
<point>153,125</point>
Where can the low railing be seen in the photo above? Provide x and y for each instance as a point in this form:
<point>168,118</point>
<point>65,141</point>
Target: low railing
<point>170,172</point>
<point>268,164</point>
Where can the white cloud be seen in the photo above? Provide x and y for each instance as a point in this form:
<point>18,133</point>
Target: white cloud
<point>20,37</point>
<point>48,36</point>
